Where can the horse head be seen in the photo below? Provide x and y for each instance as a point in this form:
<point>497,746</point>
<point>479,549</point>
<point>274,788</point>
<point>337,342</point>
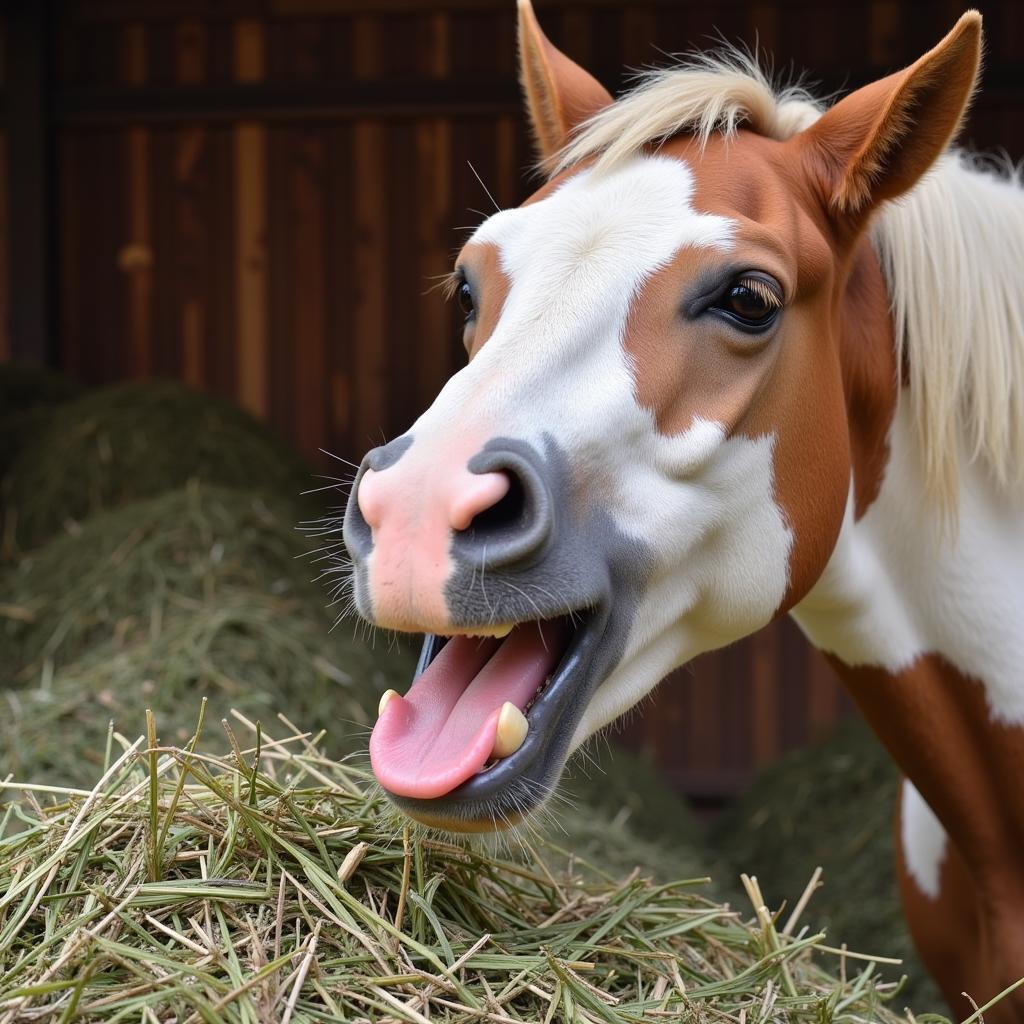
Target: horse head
<point>680,377</point>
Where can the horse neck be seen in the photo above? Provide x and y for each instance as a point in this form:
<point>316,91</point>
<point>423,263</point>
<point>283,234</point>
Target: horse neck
<point>920,617</point>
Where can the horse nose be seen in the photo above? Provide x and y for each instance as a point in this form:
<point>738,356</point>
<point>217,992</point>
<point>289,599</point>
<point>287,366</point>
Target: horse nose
<point>494,511</point>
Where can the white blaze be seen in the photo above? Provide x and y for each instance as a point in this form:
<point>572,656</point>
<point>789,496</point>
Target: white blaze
<point>556,364</point>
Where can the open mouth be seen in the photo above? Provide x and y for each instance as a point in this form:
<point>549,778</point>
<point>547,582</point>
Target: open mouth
<point>483,733</point>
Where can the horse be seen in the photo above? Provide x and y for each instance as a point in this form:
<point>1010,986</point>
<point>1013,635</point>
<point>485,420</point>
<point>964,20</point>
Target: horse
<point>742,354</point>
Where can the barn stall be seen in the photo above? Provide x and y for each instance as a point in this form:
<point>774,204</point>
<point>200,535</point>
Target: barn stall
<point>255,200</point>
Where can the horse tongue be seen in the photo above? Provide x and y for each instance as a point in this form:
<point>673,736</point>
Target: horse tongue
<point>442,732</point>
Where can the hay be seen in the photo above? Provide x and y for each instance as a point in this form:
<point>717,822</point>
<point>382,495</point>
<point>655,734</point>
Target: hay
<point>125,570</point>
<point>619,809</point>
<point>200,592</point>
<point>28,395</point>
<point>272,884</point>
<point>830,805</point>
<point>253,651</point>
<point>134,441</point>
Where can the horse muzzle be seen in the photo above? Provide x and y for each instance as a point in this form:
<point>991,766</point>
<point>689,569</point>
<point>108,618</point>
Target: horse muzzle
<point>525,606</point>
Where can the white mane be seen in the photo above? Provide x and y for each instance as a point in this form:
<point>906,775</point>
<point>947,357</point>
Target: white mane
<point>952,251</point>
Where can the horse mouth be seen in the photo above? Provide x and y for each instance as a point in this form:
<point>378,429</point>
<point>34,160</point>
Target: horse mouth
<point>481,737</point>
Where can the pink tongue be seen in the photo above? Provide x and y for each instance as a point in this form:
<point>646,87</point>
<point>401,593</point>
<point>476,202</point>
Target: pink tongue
<point>442,732</point>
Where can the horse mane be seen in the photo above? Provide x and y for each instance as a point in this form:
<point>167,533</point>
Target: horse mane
<point>951,250</point>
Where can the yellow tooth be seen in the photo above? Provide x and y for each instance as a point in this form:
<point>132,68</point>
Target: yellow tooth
<point>385,699</point>
<point>502,631</point>
<point>512,730</point>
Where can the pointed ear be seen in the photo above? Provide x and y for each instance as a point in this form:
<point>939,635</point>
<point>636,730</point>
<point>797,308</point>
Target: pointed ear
<point>559,94</point>
<point>876,143</point>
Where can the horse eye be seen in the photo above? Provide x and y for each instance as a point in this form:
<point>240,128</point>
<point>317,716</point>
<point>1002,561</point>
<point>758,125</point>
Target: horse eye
<point>751,303</point>
<point>465,294</point>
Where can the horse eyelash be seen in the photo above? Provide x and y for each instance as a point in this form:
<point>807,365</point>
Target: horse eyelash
<point>763,290</point>
<point>450,284</point>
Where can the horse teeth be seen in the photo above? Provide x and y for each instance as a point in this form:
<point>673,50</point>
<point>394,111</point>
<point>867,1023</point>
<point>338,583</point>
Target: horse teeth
<point>385,700</point>
<point>502,631</point>
<point>512,730</point>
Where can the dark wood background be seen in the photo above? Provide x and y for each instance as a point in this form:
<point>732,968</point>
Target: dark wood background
<point>256,197</point>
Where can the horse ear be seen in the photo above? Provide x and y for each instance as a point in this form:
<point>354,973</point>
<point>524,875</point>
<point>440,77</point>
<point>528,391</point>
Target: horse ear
<point>559,94</point>
<point>876,143</point>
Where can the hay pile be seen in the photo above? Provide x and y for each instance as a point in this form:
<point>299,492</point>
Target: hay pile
<point>133,441</point>
<point>28,396</point>
<point>830,805</point>
<point>203,591</point>
<point>272,884</point>
<point>126,570</point>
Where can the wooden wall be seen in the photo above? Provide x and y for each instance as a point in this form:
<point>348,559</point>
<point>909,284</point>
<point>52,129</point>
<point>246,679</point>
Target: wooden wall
<point>257,196</point>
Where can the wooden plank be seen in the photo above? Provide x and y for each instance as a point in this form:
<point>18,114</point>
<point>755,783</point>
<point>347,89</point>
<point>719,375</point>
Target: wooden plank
<point>437,321</point>
<point>250,152</point>
<point>30,182</point>
<point>221,353</point>
<point>136,255</point>
<point>370,262</point>
<point>764,695</point>
<point>340,328</point>
<point>190,51</point>
<point>307,256</point>
<point>134,53</point>
<point>280,296</point>
<point>824,695</point>
<point>69,214</point>
<point>166,361</point>
<point>5,334</point>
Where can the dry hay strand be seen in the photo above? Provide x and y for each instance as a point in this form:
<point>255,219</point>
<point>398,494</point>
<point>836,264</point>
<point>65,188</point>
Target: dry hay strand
<point>133,441</point>
<point>118,577</point>
<point>830,805</point>
<point>276,884</point>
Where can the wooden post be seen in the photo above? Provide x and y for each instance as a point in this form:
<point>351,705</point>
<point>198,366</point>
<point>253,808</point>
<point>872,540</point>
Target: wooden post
<point>30,182</point>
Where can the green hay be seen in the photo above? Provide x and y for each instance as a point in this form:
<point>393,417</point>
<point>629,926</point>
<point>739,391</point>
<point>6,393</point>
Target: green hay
<point>273,884</point>
<point>624,812</point>
<point>136,441</point>
<point>254,651</point>
<point>117,578</point>
<point>830,805</point>
<point>28,395</point>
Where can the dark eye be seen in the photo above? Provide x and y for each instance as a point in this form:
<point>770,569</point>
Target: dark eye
<point>750,302</point>
<point>465,296</point>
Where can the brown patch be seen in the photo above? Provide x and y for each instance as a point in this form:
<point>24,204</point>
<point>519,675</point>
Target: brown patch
<point>868,358</point>
<point>794,388</point>
<point>946,930</point>
<point>684,368</point>
<point>482,263</point>
<point>936,723</point>
<point>822,382</point>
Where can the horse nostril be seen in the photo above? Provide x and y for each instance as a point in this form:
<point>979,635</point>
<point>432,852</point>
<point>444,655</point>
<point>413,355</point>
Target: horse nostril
<point>507,512</point>
<point>515,529</point>
<point>478,494</point>
<point>368,499</point>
